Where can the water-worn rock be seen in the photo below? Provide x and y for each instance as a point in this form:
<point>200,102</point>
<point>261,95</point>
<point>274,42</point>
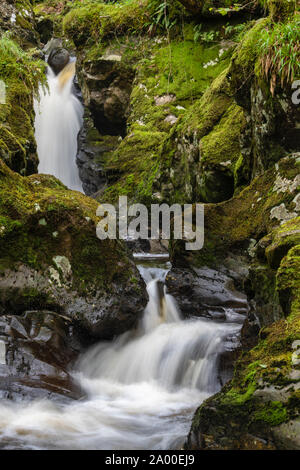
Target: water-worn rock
<point>58,59</point>
<point>259,407</point>
<point>206,292</point>
<point>38,350</point>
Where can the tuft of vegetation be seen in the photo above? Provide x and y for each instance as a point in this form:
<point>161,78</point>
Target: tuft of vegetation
<point>279,47</point>
<point>16,64</point>
<point>164,15</point>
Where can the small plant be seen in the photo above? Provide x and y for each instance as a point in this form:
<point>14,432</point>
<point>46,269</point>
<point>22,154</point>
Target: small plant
<point>279,50</point>
<point>164,14</point>
<point>224,11</point>
<point>205,36</point>
<point>231,31</point>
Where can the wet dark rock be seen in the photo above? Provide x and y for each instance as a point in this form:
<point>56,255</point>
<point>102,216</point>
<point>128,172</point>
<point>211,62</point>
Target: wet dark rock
<point>106,87</point>
<point>212,294</point>
<point>38,349</point>
<point>92,151</point>
<point>205,292</point>
<point>216,185</point>
<point>45,28</point>
<point>102,314</point>
<point>58,59</point>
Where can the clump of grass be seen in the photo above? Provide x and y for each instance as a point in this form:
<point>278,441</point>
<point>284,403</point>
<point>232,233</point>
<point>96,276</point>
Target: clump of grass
<point>20,67</point>
<point>279,50</point>
<point>164,15</point>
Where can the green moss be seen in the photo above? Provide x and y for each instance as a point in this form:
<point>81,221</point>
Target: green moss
<point>181,68</point>
<point>281,10</point>
<point>244,58</point>
<point>222,145</point>
<point>288,281</point>
<point>207,111</point>
<point>21,73</point>
<point>274,413</point>
<point>25,201</point>
<point>136,163</point>
<point>95,22</point>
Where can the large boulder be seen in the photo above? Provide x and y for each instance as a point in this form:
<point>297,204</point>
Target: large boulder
<point>52,259</point>
<point>208,292</point>
<point>58,59</point>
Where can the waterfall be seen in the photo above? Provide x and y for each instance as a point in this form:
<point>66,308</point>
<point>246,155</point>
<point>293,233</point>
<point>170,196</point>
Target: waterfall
<point>58,119</point>
<point>141,388</point>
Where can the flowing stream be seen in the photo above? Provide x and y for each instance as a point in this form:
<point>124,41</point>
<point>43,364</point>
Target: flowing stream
<point>141,389</point>
<point>57,123</point>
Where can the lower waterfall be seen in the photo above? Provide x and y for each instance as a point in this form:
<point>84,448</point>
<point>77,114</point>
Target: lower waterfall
<point>58,119</point>
<point>141,389</point>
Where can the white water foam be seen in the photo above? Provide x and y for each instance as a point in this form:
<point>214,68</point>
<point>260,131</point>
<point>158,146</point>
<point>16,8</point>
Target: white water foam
<point>141,389</point>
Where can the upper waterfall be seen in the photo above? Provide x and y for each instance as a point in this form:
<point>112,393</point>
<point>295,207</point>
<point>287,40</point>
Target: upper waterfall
<point>58,119</point>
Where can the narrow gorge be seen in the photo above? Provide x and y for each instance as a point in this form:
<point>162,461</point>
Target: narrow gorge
<point>132,342</point>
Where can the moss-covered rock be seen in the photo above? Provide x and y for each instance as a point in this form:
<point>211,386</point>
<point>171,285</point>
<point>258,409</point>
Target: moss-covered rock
<point>90,23</point>
<point>21,74</point>
<point>163,98</point>
<point>266,94</point>
<point>132,168</point>
<point>250,214</point>
<point>51,257</point>
<point>281,10</point>
<point>288,281</point>
<point>163,89</point>
<point>251,409</point>
<point>283,238</point>
<point>253,126</point>
<point>17,17</point>
<point>258,406</point>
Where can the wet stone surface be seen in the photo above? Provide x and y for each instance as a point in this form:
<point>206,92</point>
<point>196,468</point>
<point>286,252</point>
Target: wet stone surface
<point>37,350</point>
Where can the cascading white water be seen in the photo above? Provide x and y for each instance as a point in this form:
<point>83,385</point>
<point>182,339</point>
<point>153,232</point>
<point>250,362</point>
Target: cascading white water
<point>58,119</point>
<point>142,388</point>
